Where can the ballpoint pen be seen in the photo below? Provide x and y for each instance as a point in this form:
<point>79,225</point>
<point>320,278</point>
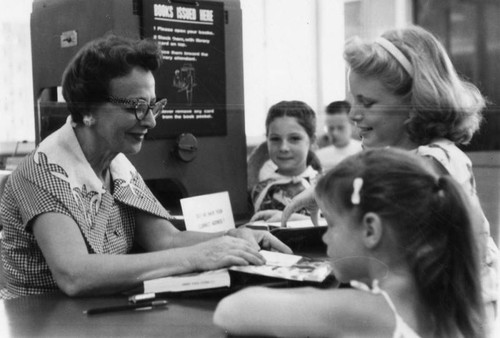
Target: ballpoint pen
<point>148,305</point>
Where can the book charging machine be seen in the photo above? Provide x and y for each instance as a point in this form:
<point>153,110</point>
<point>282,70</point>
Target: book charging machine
<point>198,146</point>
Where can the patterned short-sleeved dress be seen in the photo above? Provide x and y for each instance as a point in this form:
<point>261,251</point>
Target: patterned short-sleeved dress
<point>57,178</point>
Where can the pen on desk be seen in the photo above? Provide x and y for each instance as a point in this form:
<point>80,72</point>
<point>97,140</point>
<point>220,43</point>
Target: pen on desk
<point>148,305</point>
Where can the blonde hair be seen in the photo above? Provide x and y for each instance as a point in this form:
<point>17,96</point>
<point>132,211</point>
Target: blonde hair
<point>441,103</point>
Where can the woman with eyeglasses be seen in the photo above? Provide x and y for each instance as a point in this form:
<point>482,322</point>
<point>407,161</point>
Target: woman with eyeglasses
<point>75,207</point>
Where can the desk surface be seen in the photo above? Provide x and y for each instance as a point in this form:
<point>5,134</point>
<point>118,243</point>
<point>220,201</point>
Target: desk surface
<point>56,315</point>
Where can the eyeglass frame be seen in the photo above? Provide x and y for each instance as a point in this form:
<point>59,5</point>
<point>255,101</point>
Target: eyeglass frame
<point>134,103</point>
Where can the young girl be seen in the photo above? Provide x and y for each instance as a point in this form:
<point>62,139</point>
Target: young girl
<point>402,236</point>
<point>290,131</point>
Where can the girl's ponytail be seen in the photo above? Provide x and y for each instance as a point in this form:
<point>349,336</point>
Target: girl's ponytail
<point>445,263</point>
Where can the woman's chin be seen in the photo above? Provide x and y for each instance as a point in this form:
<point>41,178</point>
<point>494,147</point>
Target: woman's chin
<point>132,149</point>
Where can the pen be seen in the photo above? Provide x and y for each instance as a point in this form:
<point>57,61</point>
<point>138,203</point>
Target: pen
<point>148,305</point>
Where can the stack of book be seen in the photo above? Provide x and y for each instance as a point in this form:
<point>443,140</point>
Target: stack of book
<point>280,270</point>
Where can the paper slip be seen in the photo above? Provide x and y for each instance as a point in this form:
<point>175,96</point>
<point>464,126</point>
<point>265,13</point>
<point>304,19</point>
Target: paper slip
<point>208,213</point>
<point>276,258</point>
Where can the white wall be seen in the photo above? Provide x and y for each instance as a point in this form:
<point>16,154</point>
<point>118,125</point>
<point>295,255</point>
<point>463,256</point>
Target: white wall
<point>16,93</point>
<point>292,50</point>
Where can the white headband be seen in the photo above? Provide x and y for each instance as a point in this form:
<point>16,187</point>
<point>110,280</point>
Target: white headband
<point>396,53</point>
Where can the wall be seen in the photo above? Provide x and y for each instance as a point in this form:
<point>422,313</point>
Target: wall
<point>16,102</point>
<point>292,50</point>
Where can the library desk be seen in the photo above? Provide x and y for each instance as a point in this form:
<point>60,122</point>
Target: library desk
<point>56,315</point>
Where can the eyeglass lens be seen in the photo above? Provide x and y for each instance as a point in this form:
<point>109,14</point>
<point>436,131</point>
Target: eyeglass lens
<point>142,109</point>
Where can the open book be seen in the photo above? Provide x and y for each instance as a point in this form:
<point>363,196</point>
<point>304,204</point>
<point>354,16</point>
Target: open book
<point>278,266</point>
<point>289,267</point>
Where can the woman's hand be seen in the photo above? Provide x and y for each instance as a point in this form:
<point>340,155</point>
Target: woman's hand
<point>237,247</point>
<point>260,239</point>
<point>223,252</point>
<point>303,200</point>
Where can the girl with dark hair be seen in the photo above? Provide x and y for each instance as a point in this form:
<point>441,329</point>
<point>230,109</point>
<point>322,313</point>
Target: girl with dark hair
<point>402,236</point>
<point>290,132</point>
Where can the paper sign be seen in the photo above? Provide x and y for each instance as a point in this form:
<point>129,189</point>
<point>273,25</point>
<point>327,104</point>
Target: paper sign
<point>208,213</point>
<point>277,258</point>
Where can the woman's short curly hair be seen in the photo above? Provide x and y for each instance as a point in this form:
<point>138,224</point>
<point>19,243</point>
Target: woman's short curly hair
<point>86,79</point>
<point>441,104</point>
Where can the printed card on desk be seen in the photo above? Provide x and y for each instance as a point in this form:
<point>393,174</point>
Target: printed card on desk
<point>208,213</point>
<point>189,282</point>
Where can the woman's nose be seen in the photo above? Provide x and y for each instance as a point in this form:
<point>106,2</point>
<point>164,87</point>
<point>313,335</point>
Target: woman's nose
<point>149,120</point>
<point>356,113</point>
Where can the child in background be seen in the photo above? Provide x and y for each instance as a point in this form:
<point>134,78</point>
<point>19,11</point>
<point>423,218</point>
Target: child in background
<point>290,132</point>
<point>402,236</point>
<point>339,143</point>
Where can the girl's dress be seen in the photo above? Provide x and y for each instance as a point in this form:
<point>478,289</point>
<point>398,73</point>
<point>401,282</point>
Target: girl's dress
<point>402,329</point>
<point>275,191</point>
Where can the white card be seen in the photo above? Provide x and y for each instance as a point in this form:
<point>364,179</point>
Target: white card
<point>208,213</point>
<point>279,259</point>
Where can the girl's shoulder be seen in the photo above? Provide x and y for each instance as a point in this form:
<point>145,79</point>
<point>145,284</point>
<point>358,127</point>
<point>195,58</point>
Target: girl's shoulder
<point>352,312</point>
<point>306,312</point>
<point>445,151</point>
<point>359,306</point>
<point>449,156</point>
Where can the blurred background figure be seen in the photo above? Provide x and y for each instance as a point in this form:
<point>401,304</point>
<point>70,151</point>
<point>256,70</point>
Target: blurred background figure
<point>337,143</point>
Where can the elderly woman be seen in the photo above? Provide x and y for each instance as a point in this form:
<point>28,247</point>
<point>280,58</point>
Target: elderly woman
<point>75,207</point>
